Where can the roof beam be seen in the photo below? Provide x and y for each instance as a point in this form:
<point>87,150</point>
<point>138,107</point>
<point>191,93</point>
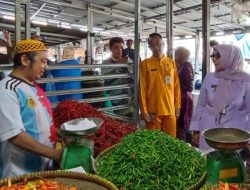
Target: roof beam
<point>181,10</point>
<point>177,12</point>
<point>129,16</point>
<point>142,7</point>
<point>40,8</point>
<point>78,7</point>
<point>219,19</point>
<point>11,26</point>
<point>112,10</point>
<point>112,14</point>
<point>131,5</point>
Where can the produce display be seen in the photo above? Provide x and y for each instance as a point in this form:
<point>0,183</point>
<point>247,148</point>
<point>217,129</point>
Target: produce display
<point>111,131</point>
<point>41,184</point>
<point>226,186</point>
<point>151,159</point>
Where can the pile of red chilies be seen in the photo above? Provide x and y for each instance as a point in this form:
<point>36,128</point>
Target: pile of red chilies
<point>111,131</point>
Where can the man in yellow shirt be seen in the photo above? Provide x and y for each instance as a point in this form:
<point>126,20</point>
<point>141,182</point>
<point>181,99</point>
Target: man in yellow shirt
<point>160,95</point>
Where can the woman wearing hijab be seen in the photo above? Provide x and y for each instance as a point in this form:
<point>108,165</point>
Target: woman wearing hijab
<point>224,99</point>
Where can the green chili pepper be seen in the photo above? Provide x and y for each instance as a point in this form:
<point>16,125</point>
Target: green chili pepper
<point>152,160</point>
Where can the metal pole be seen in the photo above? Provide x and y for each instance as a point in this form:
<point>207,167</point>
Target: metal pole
<point>27,19</point>
<point>89,38</point>
<point>59,53</point>
<point>137,60</point>
<point>169,27</point>
<point>197,49</point>
<point>156,29</point>
<point>206,36</point>
<point>18,20</point>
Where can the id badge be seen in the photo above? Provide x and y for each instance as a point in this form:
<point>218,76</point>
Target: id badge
<point>168,79</point>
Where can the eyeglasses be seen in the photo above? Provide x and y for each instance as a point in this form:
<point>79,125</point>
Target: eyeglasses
<point>215,55</point>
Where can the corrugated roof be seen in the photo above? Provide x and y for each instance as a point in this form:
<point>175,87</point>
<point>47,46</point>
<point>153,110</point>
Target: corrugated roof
<point>114,16</point>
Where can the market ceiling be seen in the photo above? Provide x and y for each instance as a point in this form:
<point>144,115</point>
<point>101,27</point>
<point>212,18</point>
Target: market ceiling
<point>66,20</point>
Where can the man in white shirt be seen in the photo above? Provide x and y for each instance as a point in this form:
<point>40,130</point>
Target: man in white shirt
<point>27,132</point>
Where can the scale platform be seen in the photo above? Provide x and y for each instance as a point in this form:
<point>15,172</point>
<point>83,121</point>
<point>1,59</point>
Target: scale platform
<point>79,150</point>
<point>225,164</point>
<point>83,132</point>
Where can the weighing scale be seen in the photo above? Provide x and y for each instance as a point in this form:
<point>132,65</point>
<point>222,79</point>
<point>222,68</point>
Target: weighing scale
<point>224,163</point>
<point>79,150</point>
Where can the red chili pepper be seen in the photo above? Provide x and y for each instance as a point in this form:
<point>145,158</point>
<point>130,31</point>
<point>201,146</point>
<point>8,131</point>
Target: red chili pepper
<point>111,131</point>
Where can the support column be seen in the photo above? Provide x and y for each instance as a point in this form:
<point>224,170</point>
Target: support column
<point>169,27</point>
<point>18,20</point>
<point>156,29</point>
<point>137,59</point>
<point>197,48</point>
<point>206,37</point>
<point>90,40</point>
<point>59,53</point>
<point>27,19</point>
<point>18,4</point>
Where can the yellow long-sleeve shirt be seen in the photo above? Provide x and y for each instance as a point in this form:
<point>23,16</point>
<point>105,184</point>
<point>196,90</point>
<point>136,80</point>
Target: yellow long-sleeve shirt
<point>159,86</point>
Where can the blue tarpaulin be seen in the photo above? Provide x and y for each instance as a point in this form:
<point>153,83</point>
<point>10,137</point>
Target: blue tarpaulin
<point>68,85</point>
<point>244,40</point>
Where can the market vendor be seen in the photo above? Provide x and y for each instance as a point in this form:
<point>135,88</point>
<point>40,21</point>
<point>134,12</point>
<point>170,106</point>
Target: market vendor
<point>27,133</point>
<point>160,94</point>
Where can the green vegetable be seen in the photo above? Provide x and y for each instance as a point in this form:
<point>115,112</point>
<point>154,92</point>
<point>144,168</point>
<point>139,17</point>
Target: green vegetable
<point>150,159</point>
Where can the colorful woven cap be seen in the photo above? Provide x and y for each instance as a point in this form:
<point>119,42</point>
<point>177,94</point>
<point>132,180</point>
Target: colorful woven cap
<point>29,45</point>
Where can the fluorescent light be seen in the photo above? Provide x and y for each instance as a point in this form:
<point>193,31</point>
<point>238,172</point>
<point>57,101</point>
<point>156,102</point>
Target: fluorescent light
<point>78,26</point>
<point>176,38</point>
<point>188,36</point>
<point>219,33</point>
<point>98,29</point>
<point>122,35</point>
<point>54,21</point>
<point>65,23</point>
<point>39,22</point>
<point>237,32</point>
<point>105,33</point>
<point>9,17</point>
<point>65,26</point>
<point>116,32</point>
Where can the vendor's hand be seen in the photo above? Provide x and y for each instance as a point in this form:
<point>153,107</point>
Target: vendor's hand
<point>177,113</point>
<point>57,155</point>
<point>146,117</point>
<point>196,137</point>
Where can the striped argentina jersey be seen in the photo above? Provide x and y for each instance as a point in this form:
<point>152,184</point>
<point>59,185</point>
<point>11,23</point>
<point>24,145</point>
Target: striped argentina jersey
<point>23,107</point>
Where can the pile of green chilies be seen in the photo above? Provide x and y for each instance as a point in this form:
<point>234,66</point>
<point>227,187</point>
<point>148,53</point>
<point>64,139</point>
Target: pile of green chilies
<point>152,160</point>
